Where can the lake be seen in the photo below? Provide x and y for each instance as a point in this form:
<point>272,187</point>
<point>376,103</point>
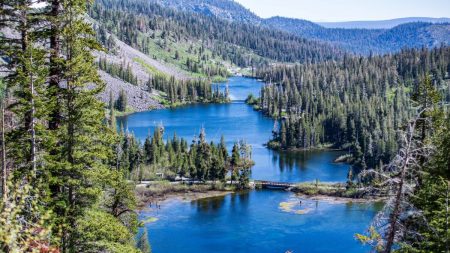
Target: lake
<point>260,220</point>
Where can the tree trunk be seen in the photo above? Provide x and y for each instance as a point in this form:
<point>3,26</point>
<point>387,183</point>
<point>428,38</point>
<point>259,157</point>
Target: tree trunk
<point>29,118</point>
<point>396,211</point>
<point>447,248</point>
<point>4,172</point>
<point>394,216</point>
<point>55,70</point>
<point>33,121</point>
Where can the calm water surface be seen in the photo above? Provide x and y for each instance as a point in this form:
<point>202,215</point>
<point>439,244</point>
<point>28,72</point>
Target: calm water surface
<point>236,121</point>
<point>253,221</point>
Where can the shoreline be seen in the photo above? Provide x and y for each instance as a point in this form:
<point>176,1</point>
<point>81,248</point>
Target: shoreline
<point>147,196</point>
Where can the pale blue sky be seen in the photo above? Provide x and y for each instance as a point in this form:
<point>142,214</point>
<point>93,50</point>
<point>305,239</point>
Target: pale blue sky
<point>348,10</point>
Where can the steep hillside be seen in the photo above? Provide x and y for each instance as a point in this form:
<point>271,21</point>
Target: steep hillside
<point>224,9</point>
<point>199,43</point>
<point>154,44</point>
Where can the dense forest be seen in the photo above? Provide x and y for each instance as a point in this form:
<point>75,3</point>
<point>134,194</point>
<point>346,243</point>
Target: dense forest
<point>414,217</point>
<point>357,104</point>
<point>368,41</point>
<point>199,161</point>
<point>358,41</point>
<point>186,91</point>
<point>391,114</point>
<point>68,176</point>
<point>139,22</point>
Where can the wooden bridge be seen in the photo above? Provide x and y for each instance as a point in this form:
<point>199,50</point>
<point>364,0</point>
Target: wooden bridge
<point>273,185</point>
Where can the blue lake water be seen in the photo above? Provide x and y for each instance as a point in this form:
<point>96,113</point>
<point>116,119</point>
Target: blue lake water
<point>252,221</point>
<point>236,121</point>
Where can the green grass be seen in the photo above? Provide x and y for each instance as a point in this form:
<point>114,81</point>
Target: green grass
<point>328,189</point>
<point>150,220</point>
<point>149,68</point>
<point>167,54</point>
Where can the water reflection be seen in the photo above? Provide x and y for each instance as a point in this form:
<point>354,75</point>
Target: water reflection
<point>251,221</point>
<point>210,205</point>
<point>254,222</point>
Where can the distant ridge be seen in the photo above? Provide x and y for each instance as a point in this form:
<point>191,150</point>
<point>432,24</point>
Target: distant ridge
<point>381,24</point>
<point>359,37</point>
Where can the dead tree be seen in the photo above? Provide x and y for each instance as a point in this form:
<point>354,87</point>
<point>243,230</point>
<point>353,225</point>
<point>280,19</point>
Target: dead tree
<point>399,179</point>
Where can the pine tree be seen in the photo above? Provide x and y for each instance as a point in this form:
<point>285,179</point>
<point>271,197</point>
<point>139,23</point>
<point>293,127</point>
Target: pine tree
<point>84,140</point>
<point>76,146</point>
<point>121,102</point>
<point>112,116</point>
<point>235,162</point>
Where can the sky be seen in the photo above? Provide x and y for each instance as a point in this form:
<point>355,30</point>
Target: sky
<point>348,10</point>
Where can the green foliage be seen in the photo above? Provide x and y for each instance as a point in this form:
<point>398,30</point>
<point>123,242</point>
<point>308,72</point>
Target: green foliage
<point>121,71</point>
<point>350,103</point>
<point>432,198</point>
<point>151,28</point>
<point>101,231</point>
<point>25,226</point>
<point>200,161</point>
<point>60,144</point>
<point>374,239</point>
<point>418,209</point>
<point>121,102</point>
<point>251,100</point>
<point>186,91</point>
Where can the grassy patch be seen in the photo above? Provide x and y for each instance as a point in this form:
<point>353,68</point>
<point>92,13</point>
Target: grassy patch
<point>149,68</point>
<point>150,220</point>
<point>329,189</point>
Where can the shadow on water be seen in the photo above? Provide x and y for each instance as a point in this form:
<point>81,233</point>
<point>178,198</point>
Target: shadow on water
<point>209,205</point>
<point>291,160</point>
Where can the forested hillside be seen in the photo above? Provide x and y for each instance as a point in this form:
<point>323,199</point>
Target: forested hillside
<point>360,41</point>
<point>382,24</point>
<point>162,51</point>
<point>69,174</point>
<point>357,104</point>
<point>367,41</point>
<point>143,24</point>
<point>228,10</point>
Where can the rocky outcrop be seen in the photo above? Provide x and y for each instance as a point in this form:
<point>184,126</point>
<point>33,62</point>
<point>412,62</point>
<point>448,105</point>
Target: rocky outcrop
<point>137,98</point>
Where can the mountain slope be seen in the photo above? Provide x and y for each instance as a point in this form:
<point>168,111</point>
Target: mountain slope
<point>158,54</point>
<point>150,27</point>
<point>382,24</point>
<point>390,35</point>
<point>224,9</point>
<point>365,41</point>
